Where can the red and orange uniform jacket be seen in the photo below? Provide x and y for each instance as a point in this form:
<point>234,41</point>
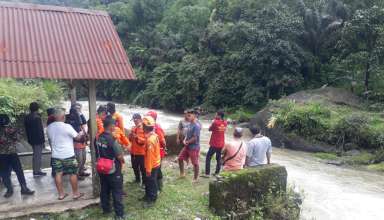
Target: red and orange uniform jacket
<point>100,126</point>
<point>121,138</point>
<point>161,135</point>
<point>152,157</point>
<point>119,121</point>
<point>138,142</point>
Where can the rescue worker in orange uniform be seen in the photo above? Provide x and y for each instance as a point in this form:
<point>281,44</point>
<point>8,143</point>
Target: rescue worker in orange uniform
<point>152,162</point>
<point>100,117</point>
<point>111,108</point>
<point>119,133</point>
<point>138,140</point>
<point>161,135</point>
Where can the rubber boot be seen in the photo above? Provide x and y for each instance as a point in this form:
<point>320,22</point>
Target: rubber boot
<point>9,193</point>
<point>26,191</point>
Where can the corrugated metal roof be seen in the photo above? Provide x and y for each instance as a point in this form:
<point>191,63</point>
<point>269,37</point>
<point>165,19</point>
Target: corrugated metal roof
<point>53,42</point>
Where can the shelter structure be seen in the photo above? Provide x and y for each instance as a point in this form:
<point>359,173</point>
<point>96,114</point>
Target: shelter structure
<point>50,42</point>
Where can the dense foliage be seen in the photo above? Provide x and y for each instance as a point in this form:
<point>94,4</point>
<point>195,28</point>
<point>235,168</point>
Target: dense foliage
<point>15,96</point>
<point>230,53</point>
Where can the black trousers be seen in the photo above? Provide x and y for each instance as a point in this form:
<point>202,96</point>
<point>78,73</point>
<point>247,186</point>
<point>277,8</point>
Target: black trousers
<point>151,186</point>
<point>211,152</point>
<point>9,162</point>
<point>112,184</point>
<point>160,179</point>
<point>138,167</point>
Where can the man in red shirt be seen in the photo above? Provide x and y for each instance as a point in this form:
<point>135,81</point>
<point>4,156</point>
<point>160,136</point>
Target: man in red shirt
<point>217,142</point>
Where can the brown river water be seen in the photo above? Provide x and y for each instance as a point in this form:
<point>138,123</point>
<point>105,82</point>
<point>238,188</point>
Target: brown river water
<point>330,192</point>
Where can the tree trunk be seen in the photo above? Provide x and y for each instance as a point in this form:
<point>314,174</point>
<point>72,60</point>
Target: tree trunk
<point>367,78</point>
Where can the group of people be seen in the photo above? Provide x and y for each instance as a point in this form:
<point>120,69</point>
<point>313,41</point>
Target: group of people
<point>146,144</point>
<point>68,138</point>
<point>230,155</point>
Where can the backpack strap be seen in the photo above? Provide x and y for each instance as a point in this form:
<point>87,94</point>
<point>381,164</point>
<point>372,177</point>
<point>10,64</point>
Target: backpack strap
<point>233,156</point>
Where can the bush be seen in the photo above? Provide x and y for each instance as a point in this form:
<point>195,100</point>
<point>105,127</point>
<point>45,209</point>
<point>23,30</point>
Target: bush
<point>241,115</point>
<point>304,120</point>
<point>334,125</point>
<point>286,206</point>
<point>17,95</point>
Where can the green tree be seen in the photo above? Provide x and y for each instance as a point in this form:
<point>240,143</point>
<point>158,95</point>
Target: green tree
<point>363,44</point>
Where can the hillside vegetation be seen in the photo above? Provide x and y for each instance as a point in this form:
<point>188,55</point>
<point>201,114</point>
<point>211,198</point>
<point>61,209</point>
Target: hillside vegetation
<point>327,120</point>
<point>231,53</point>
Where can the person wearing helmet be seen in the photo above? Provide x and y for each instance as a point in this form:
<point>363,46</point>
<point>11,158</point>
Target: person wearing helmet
<point>161,135</point>
<point>137,138</point>
<point>9,160</point>
<point>152,161</point>
<point>160,132</point>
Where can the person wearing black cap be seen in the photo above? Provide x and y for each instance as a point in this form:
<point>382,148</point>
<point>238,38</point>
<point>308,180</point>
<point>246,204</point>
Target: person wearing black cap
<point>111,108</point>
<point>9,160</point>
<point>35,134</point>
<point>138,140</point>
<point>111,181</point>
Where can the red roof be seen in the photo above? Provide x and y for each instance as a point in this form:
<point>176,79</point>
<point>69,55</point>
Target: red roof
<point>52,42</point>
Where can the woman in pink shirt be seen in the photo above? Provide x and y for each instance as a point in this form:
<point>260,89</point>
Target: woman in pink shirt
<point>235,152</point>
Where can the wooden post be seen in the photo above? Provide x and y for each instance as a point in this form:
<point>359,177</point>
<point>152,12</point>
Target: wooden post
<point>92,132</point>
<point>73,95</point>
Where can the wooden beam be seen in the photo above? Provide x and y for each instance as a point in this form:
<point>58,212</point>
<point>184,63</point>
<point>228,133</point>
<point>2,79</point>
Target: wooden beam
<point>73,94</point>
<point>92,132</point>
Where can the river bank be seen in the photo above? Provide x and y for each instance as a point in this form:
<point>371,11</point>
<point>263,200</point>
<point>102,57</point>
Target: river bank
<point>330,192</point>
<point>180,199</point>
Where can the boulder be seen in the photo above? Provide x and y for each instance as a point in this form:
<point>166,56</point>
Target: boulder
<point>280,138</point>
<point>243,190</point>
<point>172,147</point>
<point>170,139</point>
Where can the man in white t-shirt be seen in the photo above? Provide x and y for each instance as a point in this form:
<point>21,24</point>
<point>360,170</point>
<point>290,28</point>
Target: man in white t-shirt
<point>258,149</point>
<point>61,138</point>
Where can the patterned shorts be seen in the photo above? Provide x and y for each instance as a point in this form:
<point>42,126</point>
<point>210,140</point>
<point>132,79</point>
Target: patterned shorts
<point>66,166</point>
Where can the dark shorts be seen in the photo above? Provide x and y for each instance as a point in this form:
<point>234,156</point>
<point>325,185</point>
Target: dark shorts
<point>194,155</point>
<point>67,166</point>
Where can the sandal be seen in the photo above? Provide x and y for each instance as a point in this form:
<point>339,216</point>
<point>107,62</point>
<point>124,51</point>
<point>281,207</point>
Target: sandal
<point>79,196</point>
<point>63,197</point>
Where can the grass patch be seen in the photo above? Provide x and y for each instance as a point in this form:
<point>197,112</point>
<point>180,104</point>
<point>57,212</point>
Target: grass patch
<point>326,156</point>
<point>179,200</point>
<point>364,158</point>
<point>376,167</point>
